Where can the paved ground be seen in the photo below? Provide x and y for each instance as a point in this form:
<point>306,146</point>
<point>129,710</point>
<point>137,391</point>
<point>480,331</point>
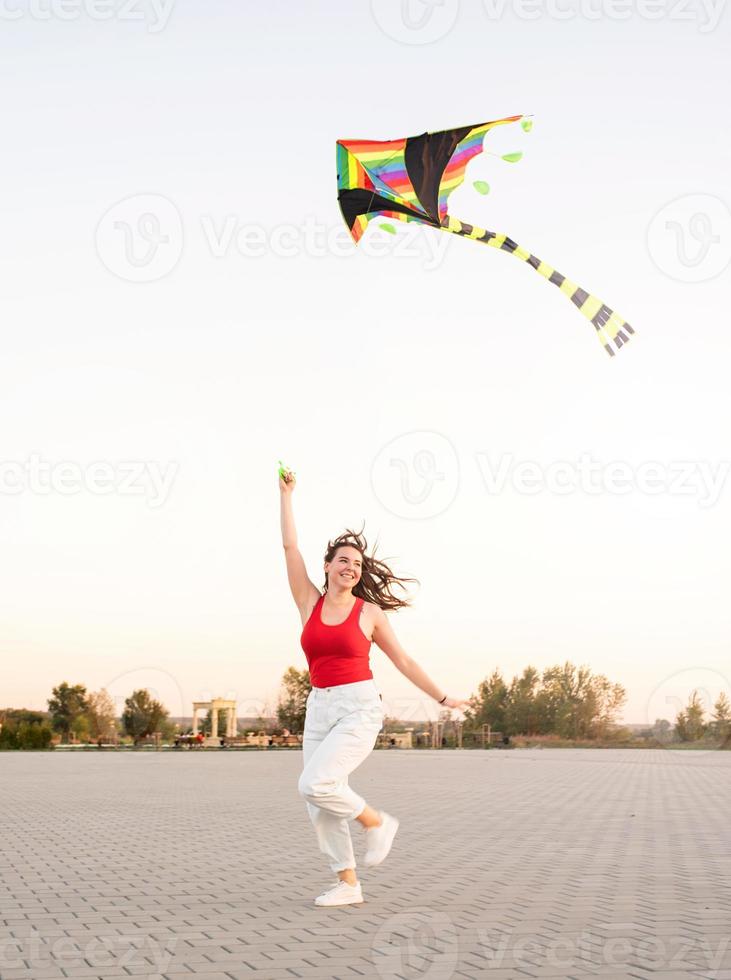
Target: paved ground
<point>554,863</point>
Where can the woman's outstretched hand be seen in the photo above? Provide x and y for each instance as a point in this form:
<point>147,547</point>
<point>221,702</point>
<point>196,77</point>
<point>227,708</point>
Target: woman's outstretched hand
<point>287,483</point>
<point>455,703</point>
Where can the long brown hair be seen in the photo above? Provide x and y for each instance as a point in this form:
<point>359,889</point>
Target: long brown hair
<point>376,580</point>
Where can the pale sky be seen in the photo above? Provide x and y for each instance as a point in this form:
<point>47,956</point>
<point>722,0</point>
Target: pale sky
<point>219,320</point>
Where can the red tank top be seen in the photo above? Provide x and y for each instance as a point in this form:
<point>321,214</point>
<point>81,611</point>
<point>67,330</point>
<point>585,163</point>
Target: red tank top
<point>336,654</point>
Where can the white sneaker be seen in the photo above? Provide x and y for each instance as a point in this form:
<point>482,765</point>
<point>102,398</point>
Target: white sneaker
<point>341,894</point>
<point>379,840</point>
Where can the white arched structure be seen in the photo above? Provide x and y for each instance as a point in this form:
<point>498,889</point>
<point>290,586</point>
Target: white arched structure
<point>214,706</point>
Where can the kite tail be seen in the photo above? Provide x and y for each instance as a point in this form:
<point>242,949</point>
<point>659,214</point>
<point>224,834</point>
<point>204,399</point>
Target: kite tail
<point>610,327</point>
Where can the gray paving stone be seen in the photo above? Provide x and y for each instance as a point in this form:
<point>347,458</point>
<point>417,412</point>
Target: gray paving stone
<point>38,974</point>
<point>545,863</point>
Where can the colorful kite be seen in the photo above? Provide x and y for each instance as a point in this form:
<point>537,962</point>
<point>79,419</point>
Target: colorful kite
<point>411,180</point>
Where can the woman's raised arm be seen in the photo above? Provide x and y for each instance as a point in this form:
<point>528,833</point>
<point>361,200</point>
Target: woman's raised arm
<point>304,592</point>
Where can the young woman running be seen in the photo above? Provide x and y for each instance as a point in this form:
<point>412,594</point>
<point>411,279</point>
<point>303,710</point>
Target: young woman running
<point>344,711</point>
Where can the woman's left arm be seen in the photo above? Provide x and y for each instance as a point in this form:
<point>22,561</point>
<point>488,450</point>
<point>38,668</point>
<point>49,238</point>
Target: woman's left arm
<point>385,638</point>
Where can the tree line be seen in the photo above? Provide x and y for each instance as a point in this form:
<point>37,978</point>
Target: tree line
<point>88,716</point>
<point>566,701</point>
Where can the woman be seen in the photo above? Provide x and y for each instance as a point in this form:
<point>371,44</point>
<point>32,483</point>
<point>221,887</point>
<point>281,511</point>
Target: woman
<point>344,710</point>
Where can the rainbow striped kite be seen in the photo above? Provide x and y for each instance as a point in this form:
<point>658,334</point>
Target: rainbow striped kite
<point>411,180</point>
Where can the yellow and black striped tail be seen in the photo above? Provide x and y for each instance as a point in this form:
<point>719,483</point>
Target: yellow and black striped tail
<point>610,327</point>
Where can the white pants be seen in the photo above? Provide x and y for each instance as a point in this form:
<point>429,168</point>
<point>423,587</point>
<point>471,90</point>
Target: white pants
<point>341,727</point>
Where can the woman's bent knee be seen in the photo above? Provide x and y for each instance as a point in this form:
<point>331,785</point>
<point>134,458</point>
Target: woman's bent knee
<point>316,791</point>
<point>311,789</point>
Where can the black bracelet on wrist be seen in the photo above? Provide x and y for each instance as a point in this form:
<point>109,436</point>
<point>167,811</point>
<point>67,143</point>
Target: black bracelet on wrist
<point>443,699</point>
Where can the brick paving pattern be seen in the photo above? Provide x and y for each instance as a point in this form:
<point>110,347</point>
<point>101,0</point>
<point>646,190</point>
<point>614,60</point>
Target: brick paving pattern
<point>508,864</point>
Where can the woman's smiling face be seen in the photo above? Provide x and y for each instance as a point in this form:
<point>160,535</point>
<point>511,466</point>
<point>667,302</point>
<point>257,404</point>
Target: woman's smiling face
<point>345,569</point>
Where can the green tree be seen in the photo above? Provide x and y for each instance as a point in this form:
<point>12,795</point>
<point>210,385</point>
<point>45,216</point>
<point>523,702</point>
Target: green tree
<point>722,718</point>
<point>606,701</point>
<point>67,705</point>
<point>293,693</point>
<point>23,714</point>
<point>569,700</point>
<point>689,723</point>
<point>8,734</point>
<point>487,707</point>
<point>523,706</point>
<point>80,728</point>
<point>142,715</point>
<point>101,715</point>
<point>34,735</point>
<point>565,700</point>
<point>579,704</point>
<point>25,730</point>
